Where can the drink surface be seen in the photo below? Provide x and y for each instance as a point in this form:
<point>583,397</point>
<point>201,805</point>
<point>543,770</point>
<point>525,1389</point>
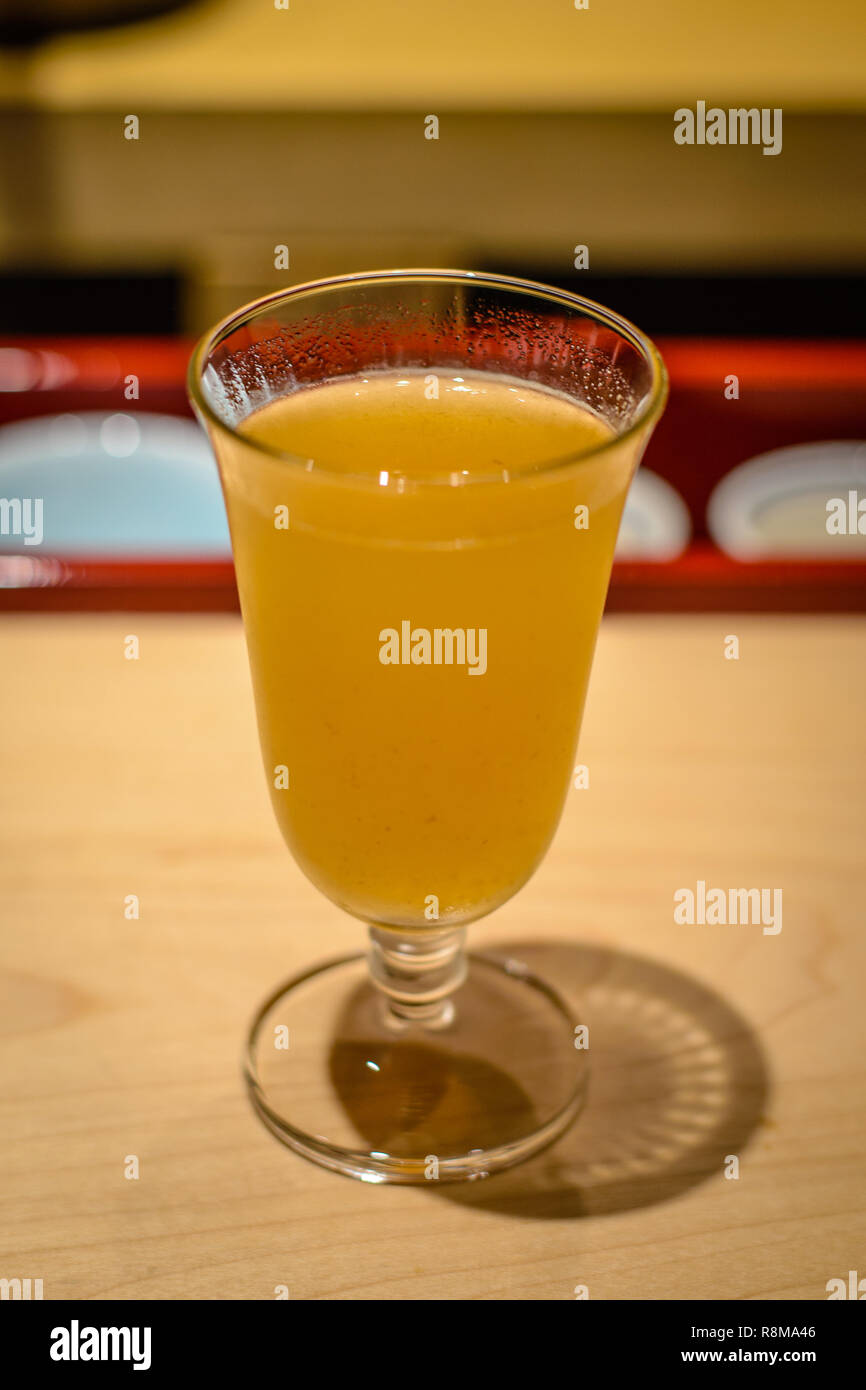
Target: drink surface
<point>421,600</point>
<point>416,426</point>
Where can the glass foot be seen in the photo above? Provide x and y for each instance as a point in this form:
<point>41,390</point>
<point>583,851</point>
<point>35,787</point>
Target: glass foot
<point>341,1078</point>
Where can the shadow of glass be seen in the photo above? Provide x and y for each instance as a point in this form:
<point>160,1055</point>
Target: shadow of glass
<point>443,1093</point>
<point>678,1082</point>
<point>423,1102</point>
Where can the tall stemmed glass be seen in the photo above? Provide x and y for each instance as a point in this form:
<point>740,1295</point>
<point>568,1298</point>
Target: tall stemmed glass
<point>424,473</point>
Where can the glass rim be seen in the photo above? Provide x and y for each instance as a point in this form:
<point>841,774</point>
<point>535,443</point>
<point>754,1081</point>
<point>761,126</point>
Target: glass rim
<point>648,410</point>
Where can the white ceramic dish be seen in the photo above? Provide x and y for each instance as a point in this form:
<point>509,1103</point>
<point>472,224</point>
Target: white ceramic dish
<point>656,524</point>
<point>119,484</point>
<point>792,503</point>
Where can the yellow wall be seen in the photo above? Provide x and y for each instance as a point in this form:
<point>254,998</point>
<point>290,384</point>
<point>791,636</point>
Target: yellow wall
<point>540,54</point>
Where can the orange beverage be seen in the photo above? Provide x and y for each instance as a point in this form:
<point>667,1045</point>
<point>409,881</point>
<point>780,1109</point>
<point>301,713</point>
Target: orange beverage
<point>424,473</point>
<point>421,599</point>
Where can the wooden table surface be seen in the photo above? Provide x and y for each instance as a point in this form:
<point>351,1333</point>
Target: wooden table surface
<point>122,1037</point>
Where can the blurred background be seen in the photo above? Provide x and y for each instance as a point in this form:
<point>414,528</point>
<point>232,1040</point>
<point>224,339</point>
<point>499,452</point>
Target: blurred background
<point>305,126</point>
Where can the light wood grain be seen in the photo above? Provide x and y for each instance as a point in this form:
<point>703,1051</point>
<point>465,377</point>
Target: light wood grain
<point>123,1037</point>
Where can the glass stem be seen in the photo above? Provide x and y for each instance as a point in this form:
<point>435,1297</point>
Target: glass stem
<point>417,973</point>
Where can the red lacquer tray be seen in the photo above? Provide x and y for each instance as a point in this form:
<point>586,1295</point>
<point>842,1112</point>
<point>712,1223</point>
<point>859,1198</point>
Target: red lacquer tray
<point>789,393</point>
